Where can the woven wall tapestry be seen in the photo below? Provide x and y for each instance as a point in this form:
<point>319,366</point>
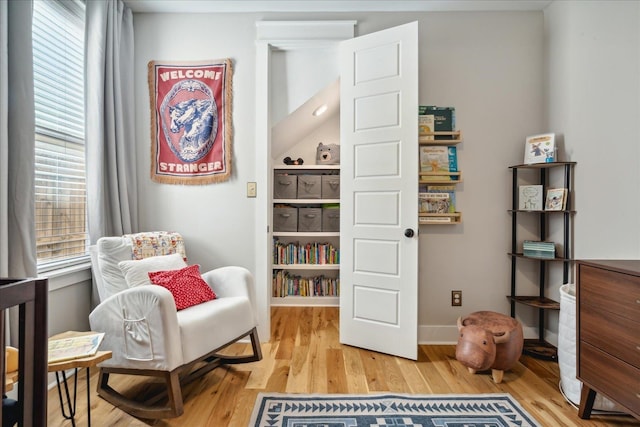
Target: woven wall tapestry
<point>191,127</point>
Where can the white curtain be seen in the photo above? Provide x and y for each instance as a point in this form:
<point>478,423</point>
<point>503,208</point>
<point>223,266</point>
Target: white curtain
<point>110,137</point>
<point>17,143</point>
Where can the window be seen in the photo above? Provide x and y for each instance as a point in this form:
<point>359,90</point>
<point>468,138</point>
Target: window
<point>60,189</point>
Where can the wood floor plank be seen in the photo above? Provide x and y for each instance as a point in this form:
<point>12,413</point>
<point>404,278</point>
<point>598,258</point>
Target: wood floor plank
<point>299,373</point>
<point>288,337</point>
<point>262,370</point>
<point>430,370</point>
<point>305,356</point>
<point>354,371</point>
<point>375,378</point>
<point>416,383</point>
<point>305,327</point>
<point>388,367</point>
<point>336,376</point>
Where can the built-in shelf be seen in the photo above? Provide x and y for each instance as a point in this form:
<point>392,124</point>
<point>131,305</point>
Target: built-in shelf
<point>310,234</point>
<point>305,201</point>
<point>306,266</point>
<point>292,300</point>
<point>290,276</point>
<point>307,167</point>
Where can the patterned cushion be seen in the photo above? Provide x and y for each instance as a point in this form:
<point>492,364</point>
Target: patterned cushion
<point>155,243</point>
<point>186,285</point>
<point>136,272</point>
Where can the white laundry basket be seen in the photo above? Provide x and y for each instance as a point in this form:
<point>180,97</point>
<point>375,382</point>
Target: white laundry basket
<point>567,347</point>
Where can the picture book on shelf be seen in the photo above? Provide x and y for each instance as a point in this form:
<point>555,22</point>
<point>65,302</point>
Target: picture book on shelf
<point>437,199</point>
<point>434,203</point>
<point>444,119</point>
<point>74,347</point>
<point>438,160</point>
<point>530,198</point>
<point>540,149</point>
<point>453,160</point>
<point>425,126</point>
<point>556,199</point>
<point>434,158</point>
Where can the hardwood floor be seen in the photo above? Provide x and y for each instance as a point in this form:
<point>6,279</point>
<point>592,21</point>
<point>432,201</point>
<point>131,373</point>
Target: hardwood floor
<point>305,356</point>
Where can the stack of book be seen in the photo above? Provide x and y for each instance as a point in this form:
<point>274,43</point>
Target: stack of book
<point>539,249</point>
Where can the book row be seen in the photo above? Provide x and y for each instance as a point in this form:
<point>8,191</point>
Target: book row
<point>287,284</point>
<point>309,253</point>
<point>432,118</point>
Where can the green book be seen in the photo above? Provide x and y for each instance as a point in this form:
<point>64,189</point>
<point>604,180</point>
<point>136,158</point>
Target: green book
<point>444,119</point>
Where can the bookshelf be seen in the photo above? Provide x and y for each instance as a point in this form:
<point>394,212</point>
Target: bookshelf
<point>306,238</point>
<point>538,174</point>
<point>433,179</point>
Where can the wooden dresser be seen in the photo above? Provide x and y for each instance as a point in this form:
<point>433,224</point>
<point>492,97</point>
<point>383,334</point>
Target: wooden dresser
<point>608,333</point>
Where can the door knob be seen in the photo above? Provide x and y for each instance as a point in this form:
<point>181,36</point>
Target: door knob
<point>409,232</point>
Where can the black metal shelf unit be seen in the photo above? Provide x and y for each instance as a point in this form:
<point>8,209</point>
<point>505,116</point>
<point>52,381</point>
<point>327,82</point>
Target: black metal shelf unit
<point>540,347</point>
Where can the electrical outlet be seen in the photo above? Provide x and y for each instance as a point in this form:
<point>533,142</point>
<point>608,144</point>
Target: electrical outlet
<point>251,189</point>
<point>456,298</point>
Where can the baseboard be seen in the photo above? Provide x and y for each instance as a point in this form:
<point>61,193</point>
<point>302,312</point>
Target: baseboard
<point>448,334</point>
<point>437,335</point>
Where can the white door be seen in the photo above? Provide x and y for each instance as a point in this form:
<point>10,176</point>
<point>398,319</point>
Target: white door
<point>379,191</point>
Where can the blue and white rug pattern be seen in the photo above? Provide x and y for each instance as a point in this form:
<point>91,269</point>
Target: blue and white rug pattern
<point>389,410</point>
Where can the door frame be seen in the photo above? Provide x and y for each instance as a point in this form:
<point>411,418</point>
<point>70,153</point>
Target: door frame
<point>278,36</point>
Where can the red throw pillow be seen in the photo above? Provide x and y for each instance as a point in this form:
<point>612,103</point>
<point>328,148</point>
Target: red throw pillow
<point>186,285</point>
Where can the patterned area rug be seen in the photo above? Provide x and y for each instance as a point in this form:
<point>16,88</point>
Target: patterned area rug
<point>335,410</point>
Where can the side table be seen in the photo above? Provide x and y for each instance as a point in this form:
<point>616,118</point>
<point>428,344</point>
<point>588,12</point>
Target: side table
<point>59,368</point>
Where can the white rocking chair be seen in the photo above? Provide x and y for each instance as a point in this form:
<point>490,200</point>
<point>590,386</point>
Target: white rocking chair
<point>146,333</point>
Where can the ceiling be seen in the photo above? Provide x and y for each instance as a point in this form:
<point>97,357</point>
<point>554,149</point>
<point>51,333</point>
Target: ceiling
<point>235,6</point>
<point>293,128</point>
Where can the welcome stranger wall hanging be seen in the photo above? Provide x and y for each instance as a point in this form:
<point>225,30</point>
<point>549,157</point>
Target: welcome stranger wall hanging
<point>190,121</point>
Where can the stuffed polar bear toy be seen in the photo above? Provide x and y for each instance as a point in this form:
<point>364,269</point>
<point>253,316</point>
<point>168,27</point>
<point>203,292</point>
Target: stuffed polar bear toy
<point>328,154</point>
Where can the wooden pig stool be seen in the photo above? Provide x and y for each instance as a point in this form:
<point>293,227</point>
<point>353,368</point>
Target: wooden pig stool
<point>489,340</point>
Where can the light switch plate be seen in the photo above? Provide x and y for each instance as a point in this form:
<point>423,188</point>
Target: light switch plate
<point>251,189</point>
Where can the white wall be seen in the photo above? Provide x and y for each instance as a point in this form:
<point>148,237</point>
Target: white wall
<point>594,101</point>
<point>217,221</point>
<point>491,67</point>
<point>487,65</point>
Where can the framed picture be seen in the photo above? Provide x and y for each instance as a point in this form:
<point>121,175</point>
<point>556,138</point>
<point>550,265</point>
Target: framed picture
<point>540,148</point>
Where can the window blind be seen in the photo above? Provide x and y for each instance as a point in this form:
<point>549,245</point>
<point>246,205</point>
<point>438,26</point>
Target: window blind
<point>60,185</point>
